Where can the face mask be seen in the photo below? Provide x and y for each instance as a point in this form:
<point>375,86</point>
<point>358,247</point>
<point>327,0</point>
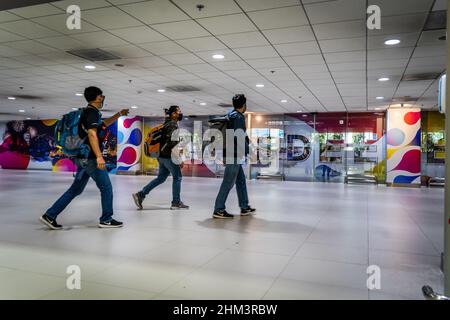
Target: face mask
<point>180,117</point>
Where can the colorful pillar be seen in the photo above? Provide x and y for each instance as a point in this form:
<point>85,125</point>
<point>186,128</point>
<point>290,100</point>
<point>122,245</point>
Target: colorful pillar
<point>403,147</point>
<point>129,141</point>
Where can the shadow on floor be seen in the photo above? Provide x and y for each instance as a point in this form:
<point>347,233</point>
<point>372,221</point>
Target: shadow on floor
<point>252,223</point>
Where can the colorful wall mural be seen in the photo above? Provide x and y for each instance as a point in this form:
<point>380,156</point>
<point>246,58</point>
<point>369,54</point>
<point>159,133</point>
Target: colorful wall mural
<point>129,139</point>
<point>29,144</point>
<point>403,146</point>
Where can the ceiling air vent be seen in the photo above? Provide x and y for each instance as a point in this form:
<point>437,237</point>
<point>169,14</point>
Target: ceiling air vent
<point>420,76</point>
<point>94,54</point>
<point>436,20</point>
<point>182,88</point>
<point>225,105</point>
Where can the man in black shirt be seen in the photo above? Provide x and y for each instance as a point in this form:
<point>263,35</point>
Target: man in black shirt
<point>91,127</point>
<point>166,165</point>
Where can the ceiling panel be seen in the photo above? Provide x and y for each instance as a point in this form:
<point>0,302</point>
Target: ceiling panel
<point>279,18</point>
<point>334,11</point>
<point>340,30</point>
<point>202,44</point>
<point>28,29</point>
<point>163,47</point>
<point>298,48</point>
<point>6,16</point>
<point>142,34</point>
<point>394,8</point>
<point>253,5</point>
<point>408,24</point>
<point>227,24</point>
<point>58,23</point>
<point>155,11</point>
<point>6,36</point>
<point>343,45</point>
<point>36,11</point>
<point>110,18</point>
<point>256,52</point>
<point>245,39</point>
<point>182,59</point>
<point>181,30</point>
<point>287,35</point>
<point>84,4</point>
<point>212,8</point>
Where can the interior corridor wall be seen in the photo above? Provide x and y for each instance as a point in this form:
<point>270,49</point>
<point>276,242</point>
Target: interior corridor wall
<point>30,145</point>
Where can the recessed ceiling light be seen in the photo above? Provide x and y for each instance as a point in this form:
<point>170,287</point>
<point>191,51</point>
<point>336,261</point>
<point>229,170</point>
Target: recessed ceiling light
<point>79,94</point>
<point>299,110</point>
<point>134,107</point>
<point>377,108</point>
<point>304,116</point>
<point>90,67</point>
<point>379,98</point>
<point>392,42</point>
<point>283,101</point>
<point>203,103</point>
<point>21,111</point>
<point>383,79</point>
<point>161,90</point>
<point>218,56</point>
<point>28,118</point>
<point>11,98</point>
<point>74,109</point>
<point>260,85</point>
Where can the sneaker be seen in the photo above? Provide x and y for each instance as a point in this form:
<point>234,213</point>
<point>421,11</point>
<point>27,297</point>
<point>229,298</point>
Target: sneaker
<point>222,214</point>
<point>111,224</point>
<point>138,200</point>
<point>247,211</point>
<point>177,206</point>
<point>49,222</point>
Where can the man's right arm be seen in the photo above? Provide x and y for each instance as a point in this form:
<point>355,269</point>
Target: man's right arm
<point>93,141</point>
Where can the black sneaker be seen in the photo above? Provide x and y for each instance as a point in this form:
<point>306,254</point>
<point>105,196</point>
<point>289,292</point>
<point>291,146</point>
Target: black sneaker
<point>178,206</point>
<point>138,200</point>
<point>247,211</point>
<point>111,224</point>
<point>222,214</point>
<point>49,222</point>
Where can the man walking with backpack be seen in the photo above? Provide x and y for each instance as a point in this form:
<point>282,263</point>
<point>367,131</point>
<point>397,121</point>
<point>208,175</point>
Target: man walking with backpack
<point>234,174</point>
<point>90,129</point>
<point>166,165</point>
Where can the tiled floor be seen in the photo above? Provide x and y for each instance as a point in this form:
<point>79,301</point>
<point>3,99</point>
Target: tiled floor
<point>307,241</point>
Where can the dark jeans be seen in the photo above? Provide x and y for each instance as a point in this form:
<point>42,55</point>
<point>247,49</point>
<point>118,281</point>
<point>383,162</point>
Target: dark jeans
<point>166,167</point>
<point>234,174</point>
<point>84,172</point>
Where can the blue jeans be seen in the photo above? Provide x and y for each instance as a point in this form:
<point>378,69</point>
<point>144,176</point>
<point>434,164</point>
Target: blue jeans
<point>234,174</point>
<point>166,167</point>
<point>84,172</point>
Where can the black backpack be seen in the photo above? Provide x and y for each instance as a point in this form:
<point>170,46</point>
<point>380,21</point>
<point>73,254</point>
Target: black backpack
<point>220,123</point>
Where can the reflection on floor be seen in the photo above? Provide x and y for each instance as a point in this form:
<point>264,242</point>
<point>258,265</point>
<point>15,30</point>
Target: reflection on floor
<point>307,241</point>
